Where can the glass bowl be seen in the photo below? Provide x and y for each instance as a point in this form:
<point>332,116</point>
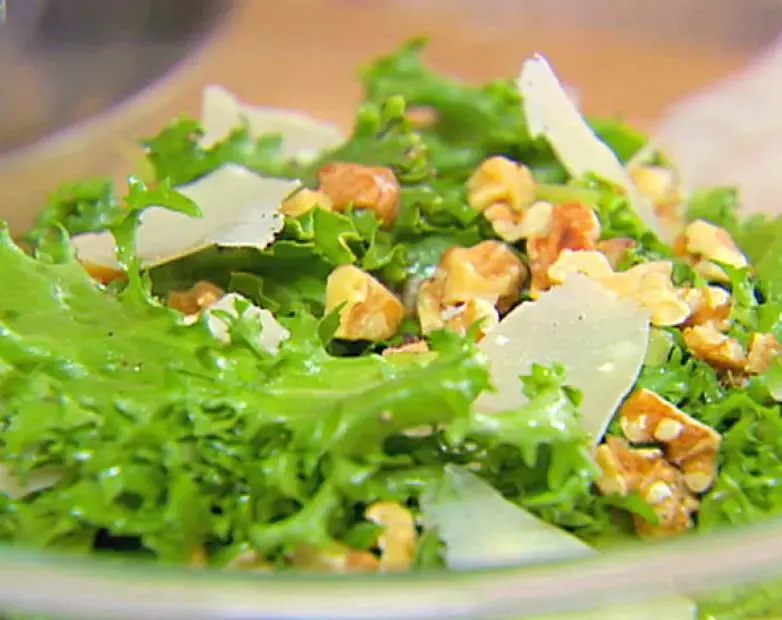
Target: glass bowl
<point>625,57</point>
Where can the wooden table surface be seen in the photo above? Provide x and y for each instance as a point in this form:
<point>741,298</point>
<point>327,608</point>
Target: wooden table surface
<point>305,53</point>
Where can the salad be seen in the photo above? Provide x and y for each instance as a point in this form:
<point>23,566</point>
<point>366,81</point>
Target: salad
<point>478,330</point>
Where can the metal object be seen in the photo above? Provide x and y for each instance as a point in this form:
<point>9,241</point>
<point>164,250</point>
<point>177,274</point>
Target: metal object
<point>68,61</point>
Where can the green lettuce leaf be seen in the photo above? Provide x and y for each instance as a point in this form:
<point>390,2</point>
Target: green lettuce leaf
<point>169,440</point>
<point>485,117</point>
<point>78,207</point>
<point>177,155</point>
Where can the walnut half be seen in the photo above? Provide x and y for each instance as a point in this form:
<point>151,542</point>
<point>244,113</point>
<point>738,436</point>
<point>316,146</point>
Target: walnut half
<point>502,190</point>
<point>365,187</point>
<point>398,539</point>
<point>370,311</point>
<point>646,417</point>
<point>660,484</point>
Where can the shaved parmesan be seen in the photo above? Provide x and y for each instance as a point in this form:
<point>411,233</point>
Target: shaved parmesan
<point>37,479</point>
<point>480,528</point>
<point>233,306</point>
<point>599,338</point>
<point>239,209</point>
<point>552,115</point>
<point>302,136</point>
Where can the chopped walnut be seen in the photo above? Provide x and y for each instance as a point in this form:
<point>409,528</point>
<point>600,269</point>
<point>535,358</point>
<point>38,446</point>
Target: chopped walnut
<point>502,190</point>
<point>433,314</point>
<point>660,484</point>
<point>700,471</point>
<point>649,284</point>
<point>717,349</point>
<point>398,539</point>
<point>429,304</point>
<point>573,227</point>
<point>338,559</point>
<point>470,284</point>
<point>102,274</point>
<point>622,468</point>
<point>662,187</point>
<point>537,220</point>
<point>370,311</point>
<point>305,200</point>
<point>364,187</point>
<point>615,249</point>
<point>645,417</point>
<point>708,304</point>
<point>587,262</point>
<point>489,270</point>
<point>762,350</point>
<point>461,317</point>
<point>709,244</point>
<point>201,295</point>
<point>417,346</point>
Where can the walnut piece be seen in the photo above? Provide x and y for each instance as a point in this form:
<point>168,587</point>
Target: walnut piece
<point>649,284</point>
<point>573,227</point>
<point>708,304</point>
<point>646,417</point>
<point>489,270</point>
<point>708,244</point>
<point>615,249</point>
<point>762,350</point>
<point>370,311</point>
<point>434,314</point>
<point>461,317</point>
<point>470,284</point>
<point>338,559</point>
<point>398,539</point>
<point>715,348</point>
<point>502,190</point>
<point>537,220</point>
<point>429,303</point>
<point>102,274</point>
<point>364,187</point>
<point>663,188</point>
<point>305,200</point>
<point>660,484</point>
<point>201,295</point>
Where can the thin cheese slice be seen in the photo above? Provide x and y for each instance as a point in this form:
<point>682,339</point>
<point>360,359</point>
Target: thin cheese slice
<point>303,137</point>
<point>480,529</point>
<point>239,209</point>
<point>599,338</point>
<point>552,115</point>
<point>272,333</point>
<point>38,479</point>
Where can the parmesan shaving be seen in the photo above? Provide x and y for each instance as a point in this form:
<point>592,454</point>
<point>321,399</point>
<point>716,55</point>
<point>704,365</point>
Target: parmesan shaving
<point>303,137</point>
<point>480,528</point>
<point>239,209</point>
<point>552,115</point>
<point>271,335</point>
<point>38,479</point>
<point>598,337</point>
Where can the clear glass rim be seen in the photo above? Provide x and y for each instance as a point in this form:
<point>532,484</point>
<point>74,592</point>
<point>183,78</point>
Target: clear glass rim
<point>44,583</point>
<point>159,89</point>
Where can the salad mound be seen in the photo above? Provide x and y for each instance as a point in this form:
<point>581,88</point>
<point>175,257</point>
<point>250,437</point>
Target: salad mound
<point>479,330</point>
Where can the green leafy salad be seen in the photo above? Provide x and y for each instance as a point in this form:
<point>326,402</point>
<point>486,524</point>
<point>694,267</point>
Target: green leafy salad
<point>479,330</point>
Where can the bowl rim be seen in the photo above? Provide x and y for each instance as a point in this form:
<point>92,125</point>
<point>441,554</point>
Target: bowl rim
<point>158,90</point>
<point>95,587</point>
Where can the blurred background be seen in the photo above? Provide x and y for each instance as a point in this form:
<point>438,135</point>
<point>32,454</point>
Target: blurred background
<point>81,79</point>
